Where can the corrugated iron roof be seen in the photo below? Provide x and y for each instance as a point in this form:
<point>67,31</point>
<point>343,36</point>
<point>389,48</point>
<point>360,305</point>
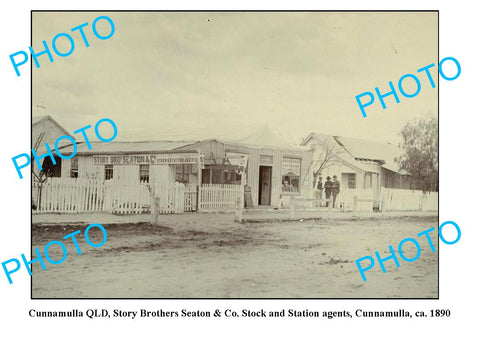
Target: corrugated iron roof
<point>363,149</point>
<point>126,147</point>
<point>360,150</point>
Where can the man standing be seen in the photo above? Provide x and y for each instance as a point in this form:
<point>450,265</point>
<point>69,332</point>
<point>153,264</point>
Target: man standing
<point>335,189</point>
<point>318,191</point>
<point>328,189</point>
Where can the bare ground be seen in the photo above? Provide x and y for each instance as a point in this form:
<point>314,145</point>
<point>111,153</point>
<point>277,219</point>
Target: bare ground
<point>210,256</point>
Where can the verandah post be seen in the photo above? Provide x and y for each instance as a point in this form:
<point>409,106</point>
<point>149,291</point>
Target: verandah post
<point>292,206</point>
<point>238,210</point>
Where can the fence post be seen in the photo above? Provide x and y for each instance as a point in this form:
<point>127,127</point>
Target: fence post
<point>330,202</point>
<point>355,203</point>
<point>422,202</point>
<point>154,209</point>
<point>197,203</point>
<point>39,198</point>
<point>238,210</point>
<point>292,206</point>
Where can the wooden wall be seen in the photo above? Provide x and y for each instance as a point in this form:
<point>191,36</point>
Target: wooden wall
<point>51,134</point>
<point>66,163</point>
<point>86,169</point>
<point>255,160</point>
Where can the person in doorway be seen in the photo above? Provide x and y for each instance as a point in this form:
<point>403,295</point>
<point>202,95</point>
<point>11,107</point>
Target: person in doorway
<point>328,189</point>
<point>318,191</point>
<point>335,189</point>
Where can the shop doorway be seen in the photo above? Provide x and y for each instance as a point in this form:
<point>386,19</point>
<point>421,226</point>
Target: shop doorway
<point>265,185</point>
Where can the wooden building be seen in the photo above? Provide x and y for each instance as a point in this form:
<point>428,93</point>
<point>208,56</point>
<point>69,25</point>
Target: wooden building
<point>46,130</point>
<point>273,167</point>
<point>128,161</point>
<point>362,167</point>
<point>154,162</point>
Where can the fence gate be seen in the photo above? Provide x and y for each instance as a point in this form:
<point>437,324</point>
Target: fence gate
<point>190,202</point>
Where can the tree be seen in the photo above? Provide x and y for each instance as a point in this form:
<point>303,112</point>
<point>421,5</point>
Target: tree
<point>42,176</point>
<point>420,147</point>
<point>328,150</point>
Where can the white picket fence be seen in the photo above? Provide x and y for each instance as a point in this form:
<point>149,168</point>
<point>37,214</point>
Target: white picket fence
<point>355,200</point>
<point>190,202</point>
<point>413,200</point>
<point>219,197</point>
<point>70,195</point>
<point>170,199</point>
<point>74,195</point>
<point>127,197</point>
<point>389,200</point>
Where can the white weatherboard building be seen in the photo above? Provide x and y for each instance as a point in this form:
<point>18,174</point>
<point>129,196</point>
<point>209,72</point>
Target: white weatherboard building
<point>366,170</point>
<point>45,130</point>
<point>274,168</point>
<point>262,169</point>
<point>134,161</point>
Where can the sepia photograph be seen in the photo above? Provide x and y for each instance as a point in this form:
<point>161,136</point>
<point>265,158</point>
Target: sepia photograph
<point>234,154</point>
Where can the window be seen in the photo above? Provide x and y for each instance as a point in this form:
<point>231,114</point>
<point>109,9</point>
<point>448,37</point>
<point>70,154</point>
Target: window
<point>290,174</point>
<point>182,173</point>
<point>74,168</point>
<point>351,181</point>
<point>108,171</point>
<point>145,173</point>
<point>232,177</point>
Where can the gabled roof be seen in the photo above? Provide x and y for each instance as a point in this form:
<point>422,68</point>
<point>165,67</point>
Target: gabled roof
<point>364,150</point>
<point>37,119</point>
<point>341,154</point>
<point>264,138</point>
<point>380,152</point>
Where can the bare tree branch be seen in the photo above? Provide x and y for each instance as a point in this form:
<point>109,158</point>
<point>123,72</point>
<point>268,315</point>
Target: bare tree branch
<point>330,151</point>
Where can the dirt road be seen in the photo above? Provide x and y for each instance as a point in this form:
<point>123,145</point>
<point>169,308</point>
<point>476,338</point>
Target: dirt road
<point>209,255</point>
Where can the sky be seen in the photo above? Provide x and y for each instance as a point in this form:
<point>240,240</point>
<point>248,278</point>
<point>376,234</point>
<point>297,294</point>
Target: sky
<point>197,75</point>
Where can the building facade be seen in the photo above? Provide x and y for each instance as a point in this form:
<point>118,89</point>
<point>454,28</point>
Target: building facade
<point>150,162</point>
<point>269,171</point>
<point>362,167</point>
